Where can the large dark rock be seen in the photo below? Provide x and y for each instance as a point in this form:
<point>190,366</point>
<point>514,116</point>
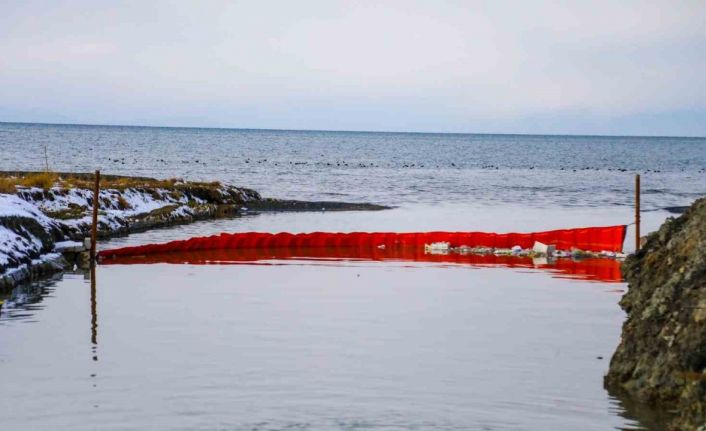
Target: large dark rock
<point>661,359</point>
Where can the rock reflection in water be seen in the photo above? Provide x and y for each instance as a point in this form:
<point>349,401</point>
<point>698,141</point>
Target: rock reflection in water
<point>648,417</point>
<point>24,301</point>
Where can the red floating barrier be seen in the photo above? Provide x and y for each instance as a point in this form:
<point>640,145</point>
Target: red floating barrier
<point>589,239</point>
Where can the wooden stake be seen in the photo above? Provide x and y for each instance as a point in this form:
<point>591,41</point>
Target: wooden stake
<point>46,159</point>
<point>637,212</point>
<point>94,229</point>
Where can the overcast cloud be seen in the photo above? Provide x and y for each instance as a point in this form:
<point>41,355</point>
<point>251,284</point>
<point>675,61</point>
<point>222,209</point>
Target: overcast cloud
<point>449,66</point>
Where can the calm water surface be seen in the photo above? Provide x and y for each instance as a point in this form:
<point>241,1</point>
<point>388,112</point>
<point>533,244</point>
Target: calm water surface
<point>313,346</point>
<point>338,345</point>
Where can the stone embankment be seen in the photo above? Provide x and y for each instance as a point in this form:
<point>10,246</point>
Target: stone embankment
<point>661,359</point>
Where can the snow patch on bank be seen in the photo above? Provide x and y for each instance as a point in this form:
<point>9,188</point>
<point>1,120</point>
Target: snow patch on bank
<point>66,213</point>
<point>115,206</point>
<point>23,271</point>
<point>20,243</point>
<point>14,206</point>
<point>126,203</point>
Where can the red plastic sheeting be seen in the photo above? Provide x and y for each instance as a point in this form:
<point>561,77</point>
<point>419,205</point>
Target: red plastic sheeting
<point>603,270</point>
<point>590,239</point>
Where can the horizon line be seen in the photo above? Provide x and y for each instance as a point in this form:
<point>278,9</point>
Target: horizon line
<point>349,131</point>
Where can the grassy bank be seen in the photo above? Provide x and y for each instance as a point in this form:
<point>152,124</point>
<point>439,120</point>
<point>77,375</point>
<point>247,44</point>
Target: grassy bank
<point>39,209</point>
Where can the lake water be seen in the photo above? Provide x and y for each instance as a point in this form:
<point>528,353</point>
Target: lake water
<point>349,345</point>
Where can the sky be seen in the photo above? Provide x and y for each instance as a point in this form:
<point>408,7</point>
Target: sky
<point>570,67</point>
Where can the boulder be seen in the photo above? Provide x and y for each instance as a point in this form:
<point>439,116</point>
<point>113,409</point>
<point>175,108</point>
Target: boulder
<point>661,359</point>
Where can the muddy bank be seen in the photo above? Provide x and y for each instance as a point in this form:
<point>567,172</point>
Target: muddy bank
<point>269,204</point>
<point>39,210</point>
<point>661,360</point>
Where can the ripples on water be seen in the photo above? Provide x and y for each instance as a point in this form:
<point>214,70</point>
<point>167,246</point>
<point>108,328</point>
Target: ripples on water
<point>24,301</point>
<point>395,168</point>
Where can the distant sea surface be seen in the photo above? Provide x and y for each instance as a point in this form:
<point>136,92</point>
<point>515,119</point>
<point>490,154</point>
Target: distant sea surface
<point>389,168</point>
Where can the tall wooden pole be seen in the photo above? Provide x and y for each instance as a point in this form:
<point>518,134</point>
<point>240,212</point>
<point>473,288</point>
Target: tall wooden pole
<point>94,228</point>
<point>637,212</point>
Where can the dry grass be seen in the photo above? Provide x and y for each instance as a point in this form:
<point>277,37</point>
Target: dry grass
<point>8,185</point>
<point>123,204</point>
<point>46,180</point>
<point>73,211</point>
<point>122,183</point>
<point>156,195</point>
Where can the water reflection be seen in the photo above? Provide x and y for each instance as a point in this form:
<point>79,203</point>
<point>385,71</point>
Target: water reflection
<point>24,301</point>
<point>595,269</point>
<point>640,415</point>
<point>94,314</point>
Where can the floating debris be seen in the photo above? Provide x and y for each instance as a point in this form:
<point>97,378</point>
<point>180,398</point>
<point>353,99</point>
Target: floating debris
<point>541,253</point>
<point>437,248</point>
<point>545,249</point>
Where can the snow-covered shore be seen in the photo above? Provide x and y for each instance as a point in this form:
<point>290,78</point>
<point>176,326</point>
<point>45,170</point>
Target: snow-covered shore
<point>33,219</point>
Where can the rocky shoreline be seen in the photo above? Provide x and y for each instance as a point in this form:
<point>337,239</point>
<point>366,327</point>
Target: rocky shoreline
<point>661,359</point>
<point>33,219</point>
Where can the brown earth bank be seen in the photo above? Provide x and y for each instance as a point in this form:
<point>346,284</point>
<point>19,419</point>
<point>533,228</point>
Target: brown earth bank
<point>661,359</point>
<point>269,204</point>
<point>40,209</point>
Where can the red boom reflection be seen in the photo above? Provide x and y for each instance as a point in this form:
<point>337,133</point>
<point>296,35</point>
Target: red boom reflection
<point>596,269</point>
